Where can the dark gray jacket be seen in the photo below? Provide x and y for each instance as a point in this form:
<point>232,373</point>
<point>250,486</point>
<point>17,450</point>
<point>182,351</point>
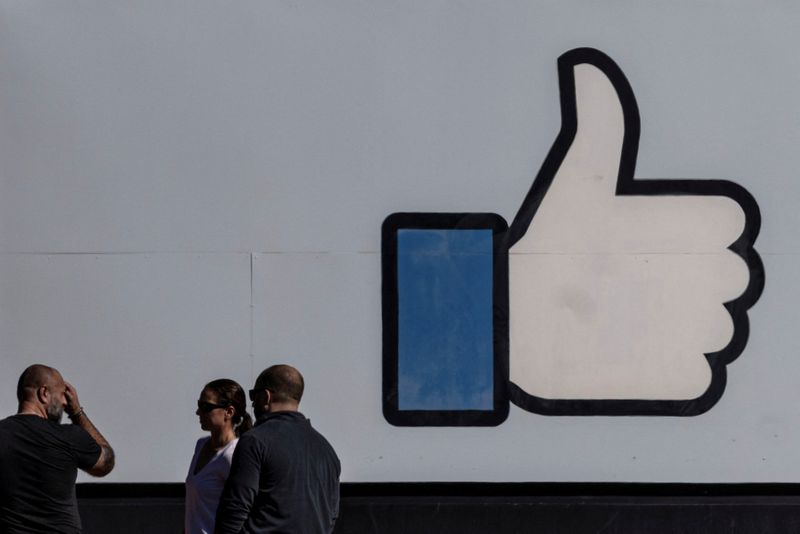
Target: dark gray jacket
<point>284,478</point>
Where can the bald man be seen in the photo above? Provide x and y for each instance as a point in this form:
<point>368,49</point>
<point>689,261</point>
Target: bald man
<point>284,475</point>
<point>39,457</point>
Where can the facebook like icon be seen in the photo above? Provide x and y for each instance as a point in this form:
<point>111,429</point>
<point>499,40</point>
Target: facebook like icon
<point>607,295</point>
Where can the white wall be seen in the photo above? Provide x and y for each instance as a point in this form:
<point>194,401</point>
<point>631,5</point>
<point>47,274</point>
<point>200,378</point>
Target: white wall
<point>191,190</point>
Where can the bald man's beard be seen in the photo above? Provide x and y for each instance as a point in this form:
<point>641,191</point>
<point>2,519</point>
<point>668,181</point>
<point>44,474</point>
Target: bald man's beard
<point>55,411</point>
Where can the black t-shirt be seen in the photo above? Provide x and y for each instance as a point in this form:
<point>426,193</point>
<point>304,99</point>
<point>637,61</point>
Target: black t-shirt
<point>39,463</point>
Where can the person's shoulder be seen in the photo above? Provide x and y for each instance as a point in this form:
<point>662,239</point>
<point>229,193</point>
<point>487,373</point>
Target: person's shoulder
<point>267,424</point>
<point>19,419</point>
<point>8,424</point>
<point>323,442</point>
<point>31,424</point>
<point>229,448</point>
<point>251,436</point>
<point>200,442</point>
<point>325,452</point>
<point>12,428</point>
<point>70,431</point>
<point>286,423</point>
<point>253,441</point>
<point>53,432</point>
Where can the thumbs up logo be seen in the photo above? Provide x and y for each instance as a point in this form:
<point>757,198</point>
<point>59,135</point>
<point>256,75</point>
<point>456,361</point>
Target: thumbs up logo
<point>624,296</point>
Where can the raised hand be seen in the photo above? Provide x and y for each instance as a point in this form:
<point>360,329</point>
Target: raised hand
<point>71,395</point>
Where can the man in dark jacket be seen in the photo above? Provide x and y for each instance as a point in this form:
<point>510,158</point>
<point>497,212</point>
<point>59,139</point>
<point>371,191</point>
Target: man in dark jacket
<point>285,475</point>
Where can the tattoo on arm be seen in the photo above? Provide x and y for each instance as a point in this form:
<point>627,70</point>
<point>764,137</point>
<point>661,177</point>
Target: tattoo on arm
<point>105,463</point>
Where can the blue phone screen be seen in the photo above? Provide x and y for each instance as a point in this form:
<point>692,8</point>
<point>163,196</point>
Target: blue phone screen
<point>445,320</point>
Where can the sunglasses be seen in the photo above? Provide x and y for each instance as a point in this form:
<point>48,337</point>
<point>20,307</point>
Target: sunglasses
<point>254,392</point>
<point>207,407</point>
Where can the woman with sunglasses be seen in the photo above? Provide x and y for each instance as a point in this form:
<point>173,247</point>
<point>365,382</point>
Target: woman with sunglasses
<point>221,408</point>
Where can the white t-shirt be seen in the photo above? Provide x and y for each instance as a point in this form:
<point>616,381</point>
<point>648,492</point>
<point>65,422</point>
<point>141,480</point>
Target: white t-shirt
<point>204,488</point>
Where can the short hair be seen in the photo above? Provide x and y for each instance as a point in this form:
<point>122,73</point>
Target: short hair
<point>284,381</point>
<point>34,377</point>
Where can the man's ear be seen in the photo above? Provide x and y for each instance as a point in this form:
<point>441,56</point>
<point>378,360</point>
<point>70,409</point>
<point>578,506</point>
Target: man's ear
<point>268,397</point>
<point>43,394</point>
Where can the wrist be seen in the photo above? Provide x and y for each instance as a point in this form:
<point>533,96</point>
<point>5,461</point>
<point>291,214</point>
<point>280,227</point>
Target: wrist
<point>77,414</point>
